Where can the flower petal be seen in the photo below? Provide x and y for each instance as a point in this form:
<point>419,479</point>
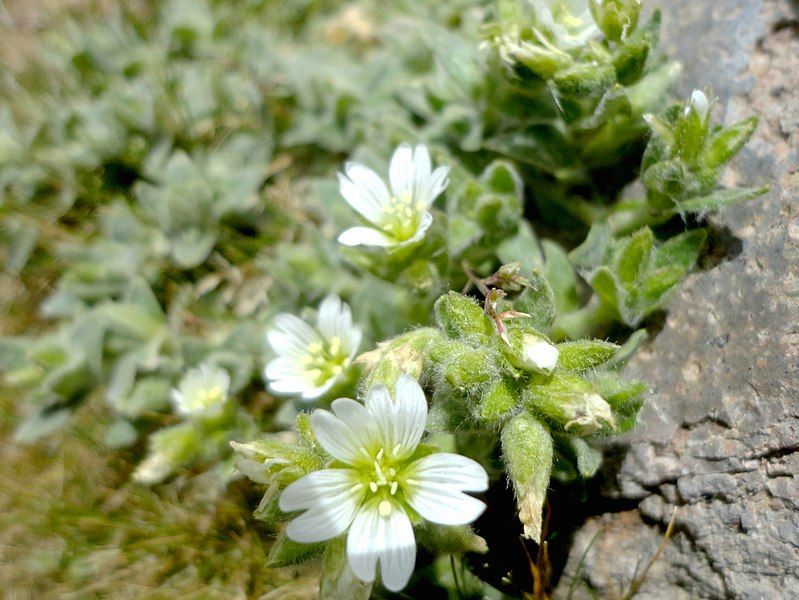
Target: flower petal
<point>291,335</point>
<point>317,488</point>
<point>285,367</point>
<point>410,415</point>
<point>368,184</point>
<point>337,437</point>
<point>381,408</point>
<point>424,224</point>
<point>443,504</point>
<point>460,472</point>
<point>421,171</point>
<point>360,199</point>
<point>389,538</point>
<point>331,502</point>
<point>400,171</point>
<point>399,553</point>
<point>315,391</point>
<point>335,320</point>
<point>436,184</point>
<point>360,422</point>
<point>364,543</point>
<point>365,236</point>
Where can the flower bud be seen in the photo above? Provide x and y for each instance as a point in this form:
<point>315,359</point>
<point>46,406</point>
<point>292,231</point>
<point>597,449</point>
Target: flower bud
<point>403,354</point>
<point>469,367</point>
<point>531,352</point>
<point>272,459</point>
<point>498,400</point>
<point>700,104</point>
<point>460,316</point>
<point>572,402</point>
<point>616,18</point>
<point>527,450</point>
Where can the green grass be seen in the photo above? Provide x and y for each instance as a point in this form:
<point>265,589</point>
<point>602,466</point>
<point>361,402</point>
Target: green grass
<point>72,526</point>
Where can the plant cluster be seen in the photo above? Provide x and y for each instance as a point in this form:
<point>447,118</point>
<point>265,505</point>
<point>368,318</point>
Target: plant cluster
<point>256,207</point>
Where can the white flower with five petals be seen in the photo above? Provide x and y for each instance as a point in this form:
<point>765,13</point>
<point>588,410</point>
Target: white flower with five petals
<point>399,216</point>
<point>311,359</point>
<point>380,482</point>
<point>202,391</point>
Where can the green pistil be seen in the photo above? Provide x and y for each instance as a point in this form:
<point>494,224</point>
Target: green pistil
<point>325,360</point>
<point>383,480</point>
<point>401,216</point>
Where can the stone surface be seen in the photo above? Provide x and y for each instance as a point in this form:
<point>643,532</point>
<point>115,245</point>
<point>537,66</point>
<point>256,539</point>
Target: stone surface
<point>719,438</point>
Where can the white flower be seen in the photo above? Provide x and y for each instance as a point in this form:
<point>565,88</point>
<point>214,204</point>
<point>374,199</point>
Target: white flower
<point>398,217</point>
<point>380,480</point>
<point>538,354</point>
<point>202,391</point>
<point>154,469</point>
<point>569,22</point>
<point>700,104</point>
<point>311,359</point>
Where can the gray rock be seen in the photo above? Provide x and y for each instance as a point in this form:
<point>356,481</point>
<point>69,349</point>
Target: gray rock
<point>719,436</point>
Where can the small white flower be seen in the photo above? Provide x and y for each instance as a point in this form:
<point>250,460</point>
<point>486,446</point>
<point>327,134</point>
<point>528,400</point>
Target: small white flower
<point>398,217</point>
<point>202,391</point>
<point>154,469</point>
<point>700,103</point>
<point>311,359</point>
<point>538,354</point>
<point>569,22</point>
<point>380,480</point>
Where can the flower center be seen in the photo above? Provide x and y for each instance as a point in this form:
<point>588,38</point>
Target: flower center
<point>208,397</point>
<point>325,360</point>
<point>401,216</point>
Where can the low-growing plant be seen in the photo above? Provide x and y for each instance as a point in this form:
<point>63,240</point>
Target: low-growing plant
<point>375,258</point>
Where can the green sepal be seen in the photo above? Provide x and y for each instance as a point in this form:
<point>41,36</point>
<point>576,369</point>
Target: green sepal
<point>499,400</point>
<point>585,354</point>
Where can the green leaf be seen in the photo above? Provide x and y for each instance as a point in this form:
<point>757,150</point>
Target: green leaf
<point>681,250</point>
<point>634,258</point>
<point>287,552</point>
<point>537,300</point>
<point>561,276</point>
<point>725,144</point>
<point>41,424</point>
<point>522,248</point>
<point>589,459</point>
<point>585,354</point>
<point>719,199</point>
<point>604,284</point>
<point>593,252</point>
<point>585,80</point>
<point>19,240</point>
<point>121,434</point>
<point>192,247</point>
<point>149,395</point>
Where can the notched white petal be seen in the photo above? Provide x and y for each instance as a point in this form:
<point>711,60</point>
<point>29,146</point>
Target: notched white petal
<point>444,468</point>
<point>335,436</point>
<point>444,505</point>
<point>410,408</point>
